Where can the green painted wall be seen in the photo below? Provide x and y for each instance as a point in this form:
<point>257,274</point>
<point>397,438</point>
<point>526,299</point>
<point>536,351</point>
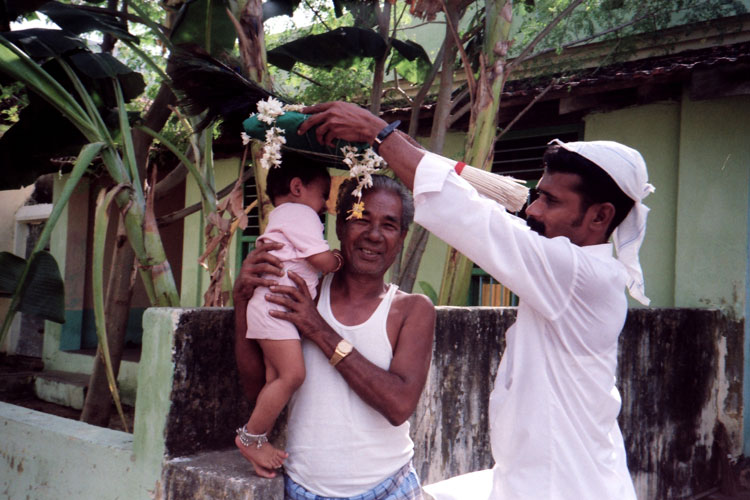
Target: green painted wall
<point>713,204</point>
<point>433,260</point>
<point>695,253</point>
<point>654,131</point>
<point>195,278</point>
<point>50,457</point>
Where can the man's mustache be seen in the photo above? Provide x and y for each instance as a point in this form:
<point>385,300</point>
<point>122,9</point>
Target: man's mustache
<point>535,225</point>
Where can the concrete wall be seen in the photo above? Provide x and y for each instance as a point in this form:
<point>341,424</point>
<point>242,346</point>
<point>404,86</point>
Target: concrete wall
<point>680,377</point>
<point>680,373</point>
<point>47,457</point>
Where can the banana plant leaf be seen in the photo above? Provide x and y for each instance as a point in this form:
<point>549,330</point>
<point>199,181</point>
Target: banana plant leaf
<point>16,8</point>
<point>43,293</point>
<point>208,85</point>
<point>42,132</point>
<point>336,48</point>
<point>26,148</point>
<point>205,23</point>
<point>11,269</point>
<point>342,46</point>
<point>95,69</point>
<point>41,43</point>
<point>410,60</point>
<point>75,20</point>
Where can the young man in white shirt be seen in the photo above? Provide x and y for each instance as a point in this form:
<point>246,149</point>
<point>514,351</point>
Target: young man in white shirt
<point>553,411</point>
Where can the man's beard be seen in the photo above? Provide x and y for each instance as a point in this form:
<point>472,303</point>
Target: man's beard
<point>535,225</point>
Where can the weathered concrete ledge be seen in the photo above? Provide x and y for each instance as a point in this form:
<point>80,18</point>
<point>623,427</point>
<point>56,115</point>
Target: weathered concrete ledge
<point>680,376</point>
<point>49,457</point>
<point>217,474</point>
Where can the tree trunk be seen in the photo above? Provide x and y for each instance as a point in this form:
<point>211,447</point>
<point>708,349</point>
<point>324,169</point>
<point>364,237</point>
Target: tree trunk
<point>98,404</point>
<point>383,15</point>
<point>407,269</point>
<point>482,131</point>
<point>108,41</point>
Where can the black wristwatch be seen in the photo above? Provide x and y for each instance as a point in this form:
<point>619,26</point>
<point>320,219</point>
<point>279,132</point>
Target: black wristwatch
<point>383,134</point>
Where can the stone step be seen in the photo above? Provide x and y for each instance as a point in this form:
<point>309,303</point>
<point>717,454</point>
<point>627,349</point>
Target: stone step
<point>62,388</point>
<point>223,474</point>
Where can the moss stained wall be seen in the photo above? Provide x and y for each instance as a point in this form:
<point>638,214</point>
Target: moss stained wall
<point>680,376</point>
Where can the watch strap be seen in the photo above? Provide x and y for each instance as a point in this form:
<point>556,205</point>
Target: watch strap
<point>387,130</point>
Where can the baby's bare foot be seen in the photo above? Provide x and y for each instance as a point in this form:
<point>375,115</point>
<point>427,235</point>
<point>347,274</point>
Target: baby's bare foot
<point>264,459</point>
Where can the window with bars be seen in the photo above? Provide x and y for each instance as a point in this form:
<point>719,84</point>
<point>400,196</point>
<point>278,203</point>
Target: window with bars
<point>518,154</point>
<point>252,231</point>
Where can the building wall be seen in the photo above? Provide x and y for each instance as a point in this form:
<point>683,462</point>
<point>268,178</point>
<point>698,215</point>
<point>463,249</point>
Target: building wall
<point>10,202</point>
<point>712,207</point>
<point>433,260</point>
<point>654,131</point>
<point>195,279</point>
<point>695,252</point>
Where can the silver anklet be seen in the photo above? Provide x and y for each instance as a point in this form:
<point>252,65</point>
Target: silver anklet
<point>247,439</point>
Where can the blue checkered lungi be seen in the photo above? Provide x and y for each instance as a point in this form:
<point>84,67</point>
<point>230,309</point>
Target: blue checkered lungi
<point>403,485</point>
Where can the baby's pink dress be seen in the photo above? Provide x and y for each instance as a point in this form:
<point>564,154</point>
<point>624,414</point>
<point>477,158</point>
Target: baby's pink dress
<point>298,227</point>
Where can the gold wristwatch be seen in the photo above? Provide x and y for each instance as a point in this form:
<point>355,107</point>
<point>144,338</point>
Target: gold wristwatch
<point>343,349</point>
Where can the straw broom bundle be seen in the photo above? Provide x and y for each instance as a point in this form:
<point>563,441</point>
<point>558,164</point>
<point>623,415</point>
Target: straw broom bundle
<point>507,191</point>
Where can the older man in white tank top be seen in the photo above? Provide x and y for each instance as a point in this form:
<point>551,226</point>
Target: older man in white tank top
<point>367,350</point>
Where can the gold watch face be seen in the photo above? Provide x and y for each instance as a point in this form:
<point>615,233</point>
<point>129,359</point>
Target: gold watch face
<point>344,347</point>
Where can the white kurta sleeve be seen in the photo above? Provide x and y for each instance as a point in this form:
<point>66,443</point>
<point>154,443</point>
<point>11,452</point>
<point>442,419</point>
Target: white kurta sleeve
<point>540,270</point>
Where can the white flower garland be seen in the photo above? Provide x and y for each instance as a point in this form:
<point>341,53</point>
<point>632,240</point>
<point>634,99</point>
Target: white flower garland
<point>361,165</point>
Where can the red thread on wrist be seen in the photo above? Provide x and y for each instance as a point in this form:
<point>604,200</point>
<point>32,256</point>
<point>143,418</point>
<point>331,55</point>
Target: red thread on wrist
<point>459,167</point>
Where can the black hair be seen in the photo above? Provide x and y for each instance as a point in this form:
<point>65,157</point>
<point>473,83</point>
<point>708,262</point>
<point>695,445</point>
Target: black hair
<point>379,182</point>
<point>293,165</point>
<point>595,186</point>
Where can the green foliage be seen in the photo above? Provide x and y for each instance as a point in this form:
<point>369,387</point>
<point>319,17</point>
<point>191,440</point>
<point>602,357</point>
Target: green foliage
<point>345,73</point>
<point>13,99</point>
<point>204,23</point>
<point>614,19</point>
<point>42,292</point>
<point>428,290</point>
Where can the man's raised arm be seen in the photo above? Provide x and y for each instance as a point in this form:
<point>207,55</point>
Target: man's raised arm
<point>349,122</point>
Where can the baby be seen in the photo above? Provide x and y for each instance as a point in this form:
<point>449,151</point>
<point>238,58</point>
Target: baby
<point>298,191</point>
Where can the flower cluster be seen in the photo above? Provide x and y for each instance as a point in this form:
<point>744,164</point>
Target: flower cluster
<point>268,111</point>
<point>272,148</point>
<point>361,166</point>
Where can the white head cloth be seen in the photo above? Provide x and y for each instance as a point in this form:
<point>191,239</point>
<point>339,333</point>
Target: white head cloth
<point>626,167</point>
